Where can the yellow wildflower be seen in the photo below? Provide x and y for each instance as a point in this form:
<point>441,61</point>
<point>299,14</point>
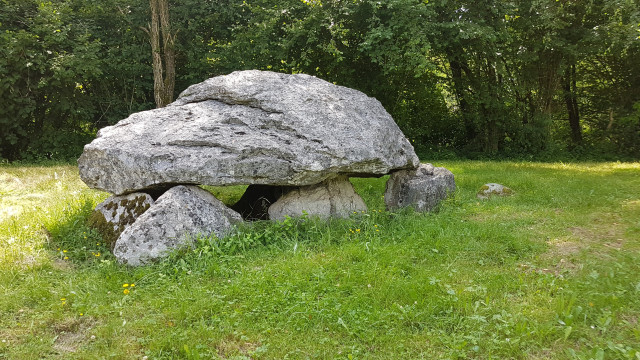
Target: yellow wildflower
<point>125,291</point>
<point>125,285</point>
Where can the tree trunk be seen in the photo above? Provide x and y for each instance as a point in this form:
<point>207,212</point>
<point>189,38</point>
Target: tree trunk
<point>164,74</point>
<point>489,109</point>
<point>465,110</point>
<point>610,125</point>
<point>571,101</point>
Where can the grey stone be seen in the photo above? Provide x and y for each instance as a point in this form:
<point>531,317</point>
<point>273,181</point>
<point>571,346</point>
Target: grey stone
<point>331,198</point>
<point>423,188</point>
<point>174,221</point>
<point>249,127</point>
<point>116,213</point>
<point>493,189</point>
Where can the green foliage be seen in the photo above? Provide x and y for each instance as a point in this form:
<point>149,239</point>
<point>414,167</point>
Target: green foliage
<point>47,62</point>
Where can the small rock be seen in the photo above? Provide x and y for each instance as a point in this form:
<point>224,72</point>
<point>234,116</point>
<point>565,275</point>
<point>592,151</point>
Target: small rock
<point>423,188</point>
<point>177,217</point>
<point>114,215</point>
<point>492,189</point>
<point>330,198</point>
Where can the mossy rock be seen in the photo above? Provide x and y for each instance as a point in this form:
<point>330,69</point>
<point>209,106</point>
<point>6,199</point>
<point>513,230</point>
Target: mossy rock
<point>113,215</point>
<point>488,190</point>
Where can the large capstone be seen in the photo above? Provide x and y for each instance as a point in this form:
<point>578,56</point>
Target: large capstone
<point>423,188</point>
<point>249,127</point>
<point>176,219</point>
<point>331,198</point>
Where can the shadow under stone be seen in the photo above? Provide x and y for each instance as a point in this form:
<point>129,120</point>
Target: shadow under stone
<point>254,203</point>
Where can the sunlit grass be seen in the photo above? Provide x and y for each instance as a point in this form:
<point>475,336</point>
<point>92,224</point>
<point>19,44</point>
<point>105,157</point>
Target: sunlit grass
<point>34,200</point>
<point>549,273</point>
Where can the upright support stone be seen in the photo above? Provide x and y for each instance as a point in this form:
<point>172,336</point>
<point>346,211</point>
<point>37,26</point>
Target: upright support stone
<point>112,216</point>
<point>423,188</point>
<point>175,220</point>
<point>330,198</point>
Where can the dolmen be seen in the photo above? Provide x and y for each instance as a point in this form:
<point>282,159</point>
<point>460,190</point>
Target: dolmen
<point>295,140</point>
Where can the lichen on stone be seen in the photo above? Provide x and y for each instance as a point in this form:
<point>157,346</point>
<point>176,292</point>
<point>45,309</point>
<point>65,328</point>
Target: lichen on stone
<point>492,189</point>
<point>114,215</point>
<point>106,230</point>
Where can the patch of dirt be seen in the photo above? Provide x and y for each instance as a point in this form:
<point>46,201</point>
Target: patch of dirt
<point>630,319</point>
<point>561,267</point>
<point>603,237</point>
<point>71,334</point>
<point>633,204</point>
<point>565,247</point>
<point>608,236</point>
<point>8,338</point>
<point>233,345</point>
<point>62,265</point>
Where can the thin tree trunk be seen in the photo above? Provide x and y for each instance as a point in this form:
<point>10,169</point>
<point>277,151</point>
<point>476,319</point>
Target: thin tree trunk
<point>168,46</point>
<point>491,113</point>
<point>610,125</point>
<point>571,101</point>
<point>163,73</point>
<point>456,77</point>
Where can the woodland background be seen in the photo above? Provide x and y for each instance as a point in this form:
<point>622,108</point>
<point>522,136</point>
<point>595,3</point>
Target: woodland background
<point>530,79</point>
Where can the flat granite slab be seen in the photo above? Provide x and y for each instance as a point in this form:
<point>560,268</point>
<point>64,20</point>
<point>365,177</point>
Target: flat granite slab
<point>249,127</point>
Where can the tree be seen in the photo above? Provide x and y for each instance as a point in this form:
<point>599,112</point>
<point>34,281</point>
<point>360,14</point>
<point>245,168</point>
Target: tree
<point>48,65</point>
<point>163,52</point>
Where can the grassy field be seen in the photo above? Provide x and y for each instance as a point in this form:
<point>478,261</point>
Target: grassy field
<point>552,272</point>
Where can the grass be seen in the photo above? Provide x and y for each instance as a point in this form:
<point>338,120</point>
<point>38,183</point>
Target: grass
<point>552,272</point>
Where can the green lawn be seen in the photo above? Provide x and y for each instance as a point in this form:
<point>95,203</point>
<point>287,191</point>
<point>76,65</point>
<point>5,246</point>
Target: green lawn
<point>552,272</point>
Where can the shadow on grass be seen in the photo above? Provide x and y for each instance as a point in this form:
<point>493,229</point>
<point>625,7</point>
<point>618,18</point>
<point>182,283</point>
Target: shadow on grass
<point>72,238</point>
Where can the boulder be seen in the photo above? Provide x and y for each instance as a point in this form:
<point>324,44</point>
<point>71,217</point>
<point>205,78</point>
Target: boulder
<point>115,214</point>
<point>493,189</point>
<point>175,220</point>
<point>249,127</point>
<point>423,188</point>
<point>330,198</point>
